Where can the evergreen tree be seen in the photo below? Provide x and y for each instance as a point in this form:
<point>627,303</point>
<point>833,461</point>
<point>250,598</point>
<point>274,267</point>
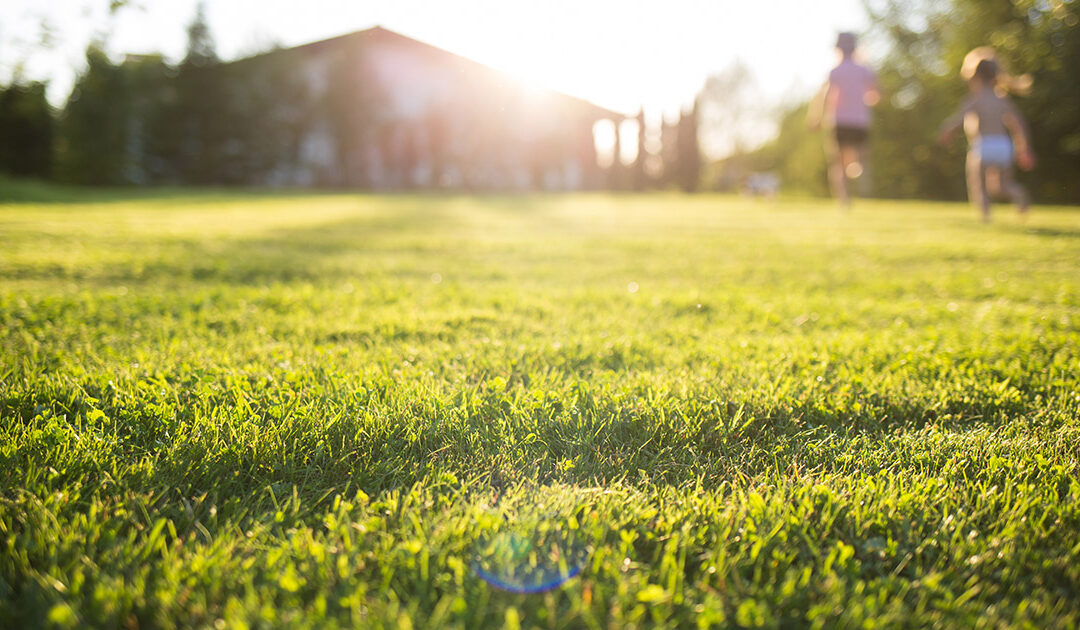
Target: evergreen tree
<point>201,108</point>
<point>201,51</point>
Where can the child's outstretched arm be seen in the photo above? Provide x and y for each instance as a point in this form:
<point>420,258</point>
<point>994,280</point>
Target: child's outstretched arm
<point>952,123</point>
<point>816,111</point>
<point>1014,122</point>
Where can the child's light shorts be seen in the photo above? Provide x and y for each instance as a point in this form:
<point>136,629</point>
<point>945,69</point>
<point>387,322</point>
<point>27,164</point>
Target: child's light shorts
<point>996,150</point>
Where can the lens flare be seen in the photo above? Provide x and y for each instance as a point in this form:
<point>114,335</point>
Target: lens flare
<point>528,563</point>
<point>533,541</point>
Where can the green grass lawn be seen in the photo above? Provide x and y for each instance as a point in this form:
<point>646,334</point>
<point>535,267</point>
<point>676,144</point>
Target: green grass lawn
<point>234,410</point>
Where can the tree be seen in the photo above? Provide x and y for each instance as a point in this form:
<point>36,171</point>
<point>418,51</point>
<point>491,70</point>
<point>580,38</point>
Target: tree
<point>688,150</point>
<point>732,119</point>
<point>26,130</point>
<point>639,172</point>
<point>201,50</point>
<point>200,107</point>
<point>118,125</point>
<point>93,125</point>
<point>796,155</point>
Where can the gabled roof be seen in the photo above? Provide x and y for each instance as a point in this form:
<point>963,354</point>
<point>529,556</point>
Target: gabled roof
<point>376,34</point>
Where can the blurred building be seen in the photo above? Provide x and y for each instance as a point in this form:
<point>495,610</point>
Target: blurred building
<point>376,109</point>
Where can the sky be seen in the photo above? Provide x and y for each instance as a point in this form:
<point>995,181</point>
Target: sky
<point>619,54</point>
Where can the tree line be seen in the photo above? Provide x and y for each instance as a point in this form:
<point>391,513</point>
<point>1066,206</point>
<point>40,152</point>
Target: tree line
<point>145,121</point>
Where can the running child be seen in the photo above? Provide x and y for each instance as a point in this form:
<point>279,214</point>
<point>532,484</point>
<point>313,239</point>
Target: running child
<point>997,135</point>
<point>843,106</point>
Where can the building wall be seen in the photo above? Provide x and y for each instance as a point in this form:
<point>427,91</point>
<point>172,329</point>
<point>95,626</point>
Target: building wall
<point>426,119</point>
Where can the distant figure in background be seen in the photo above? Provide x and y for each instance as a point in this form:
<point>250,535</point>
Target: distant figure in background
<point>843,107</point>
<point>996,133</point>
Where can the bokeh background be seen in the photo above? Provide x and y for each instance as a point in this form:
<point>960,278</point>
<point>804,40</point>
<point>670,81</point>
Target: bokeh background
<point>509,95</point>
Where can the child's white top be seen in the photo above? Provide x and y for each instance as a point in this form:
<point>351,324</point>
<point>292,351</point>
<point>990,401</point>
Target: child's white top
<point>849,84</point>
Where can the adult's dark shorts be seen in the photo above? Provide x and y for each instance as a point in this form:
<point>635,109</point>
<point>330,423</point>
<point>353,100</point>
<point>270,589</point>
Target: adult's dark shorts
<point>851,135</point>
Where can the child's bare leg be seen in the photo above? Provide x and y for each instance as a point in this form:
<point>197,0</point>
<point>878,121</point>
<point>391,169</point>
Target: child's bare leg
<point>992,179</point>
<point>837,177</point>
<point>1017,193</point>
<point>853,169</point>
<point>976,185</point>
<point>862,155</point>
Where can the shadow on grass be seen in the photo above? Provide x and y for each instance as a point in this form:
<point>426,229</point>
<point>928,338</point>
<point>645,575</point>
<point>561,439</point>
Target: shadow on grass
<point>1052,232</point>
<point>29,191</point>
<point>379,438</point>
<point>279,256</point>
